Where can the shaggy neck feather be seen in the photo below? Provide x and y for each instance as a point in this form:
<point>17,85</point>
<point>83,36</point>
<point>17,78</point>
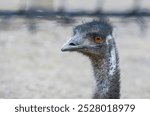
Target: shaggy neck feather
<point>107,75</point>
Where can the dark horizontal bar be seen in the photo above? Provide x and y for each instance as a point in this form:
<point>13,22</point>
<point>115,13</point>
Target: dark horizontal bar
<point>46,13</point>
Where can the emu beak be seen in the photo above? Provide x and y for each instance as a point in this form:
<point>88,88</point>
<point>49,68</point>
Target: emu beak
<point>72,44</point>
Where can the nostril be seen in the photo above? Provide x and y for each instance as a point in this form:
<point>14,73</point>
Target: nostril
<point>72,44</point>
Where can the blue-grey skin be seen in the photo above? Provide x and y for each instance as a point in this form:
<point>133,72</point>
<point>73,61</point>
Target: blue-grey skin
<point>103,56</point>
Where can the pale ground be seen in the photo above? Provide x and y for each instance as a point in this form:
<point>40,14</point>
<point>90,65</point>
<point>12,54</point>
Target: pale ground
<point>32,65</point>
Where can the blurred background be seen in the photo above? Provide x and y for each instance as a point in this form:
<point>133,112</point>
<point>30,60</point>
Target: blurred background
<point>32,33</point>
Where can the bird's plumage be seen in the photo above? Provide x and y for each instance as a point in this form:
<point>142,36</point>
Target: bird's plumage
<point>102,26</point>
<point>95,40</point>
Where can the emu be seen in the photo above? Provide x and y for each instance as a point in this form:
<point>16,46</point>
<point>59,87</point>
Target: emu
<point>95,40</point>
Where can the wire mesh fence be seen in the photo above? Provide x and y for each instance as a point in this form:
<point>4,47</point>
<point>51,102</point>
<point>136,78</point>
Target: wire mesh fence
<point>48,10</point>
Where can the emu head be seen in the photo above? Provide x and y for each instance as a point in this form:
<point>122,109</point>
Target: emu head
<point>92,38</point>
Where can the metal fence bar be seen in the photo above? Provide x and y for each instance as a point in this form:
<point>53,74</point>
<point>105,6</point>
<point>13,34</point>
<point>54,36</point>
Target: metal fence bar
<point>46,14</point>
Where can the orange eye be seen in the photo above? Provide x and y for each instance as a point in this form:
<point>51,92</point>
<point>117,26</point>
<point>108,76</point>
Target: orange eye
<point>98,40</point>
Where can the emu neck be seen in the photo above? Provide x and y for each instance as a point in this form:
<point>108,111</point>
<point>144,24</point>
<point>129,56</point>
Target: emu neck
<point>107,75</point>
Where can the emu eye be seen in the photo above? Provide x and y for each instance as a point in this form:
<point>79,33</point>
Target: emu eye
<point>98,39</point>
